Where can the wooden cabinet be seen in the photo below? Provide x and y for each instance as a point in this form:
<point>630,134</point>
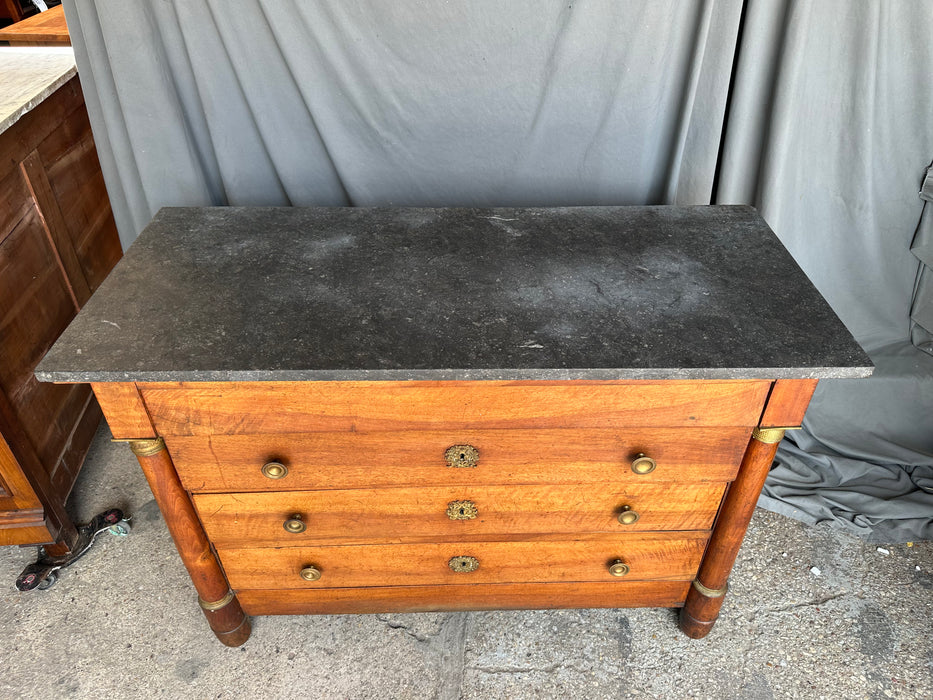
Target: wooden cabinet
<point>412,410</point>
<point>43,29</point>
<point>58,241</point>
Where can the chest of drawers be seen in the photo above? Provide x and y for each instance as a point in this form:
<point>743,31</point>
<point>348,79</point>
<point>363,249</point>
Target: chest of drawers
<point>345,410</point>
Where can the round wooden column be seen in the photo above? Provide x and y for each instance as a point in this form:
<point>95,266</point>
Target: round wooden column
<point>221,607</point>
<point>705,597</point>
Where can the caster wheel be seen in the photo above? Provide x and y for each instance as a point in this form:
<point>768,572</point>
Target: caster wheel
<point>120,529</point>
<point>114,515</point>
<point>28,581</point>
<point>48,581</point>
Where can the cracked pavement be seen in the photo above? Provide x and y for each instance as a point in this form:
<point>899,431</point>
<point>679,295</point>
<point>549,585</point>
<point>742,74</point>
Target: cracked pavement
<point>124,621</point>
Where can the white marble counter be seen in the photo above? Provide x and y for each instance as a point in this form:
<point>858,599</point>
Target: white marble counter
<point>28,75</point>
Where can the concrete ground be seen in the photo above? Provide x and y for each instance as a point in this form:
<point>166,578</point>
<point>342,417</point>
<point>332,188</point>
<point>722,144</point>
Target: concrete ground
<point>124,622</point>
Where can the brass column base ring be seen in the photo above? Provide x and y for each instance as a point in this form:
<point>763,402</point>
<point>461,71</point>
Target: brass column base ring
<point>217,604</point>
<point>710,592</point>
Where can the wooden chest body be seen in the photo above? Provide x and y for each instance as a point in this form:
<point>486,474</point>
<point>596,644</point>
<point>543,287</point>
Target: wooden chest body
<point>367,476</point>
<point>58,241</point>
<point>289,493</point>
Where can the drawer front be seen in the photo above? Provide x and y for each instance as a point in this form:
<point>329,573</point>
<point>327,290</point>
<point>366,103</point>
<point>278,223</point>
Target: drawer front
<point>500,596</point>
<point>432,514</point>
<point>301,407</point>
<point>649,556</point>
<point>348,460</point>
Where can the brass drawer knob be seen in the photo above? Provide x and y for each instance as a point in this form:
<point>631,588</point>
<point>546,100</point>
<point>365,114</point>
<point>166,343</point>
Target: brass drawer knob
<point>295,524</point>
<point>463,565</point>
<point>462,510</point>
<point>461,456</point>
<point>274,470</point>
<point>310,573</point>
<point>643,464</point>
<point>627,516</point>
<point>619,568</point>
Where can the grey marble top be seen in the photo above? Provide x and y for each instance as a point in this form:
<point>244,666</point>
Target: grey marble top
<point>28,75</point>
<point>218,294</point>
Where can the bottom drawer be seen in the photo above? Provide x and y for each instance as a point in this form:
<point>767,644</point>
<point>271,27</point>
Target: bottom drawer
<point>647,556</point>
<point>502,596</point>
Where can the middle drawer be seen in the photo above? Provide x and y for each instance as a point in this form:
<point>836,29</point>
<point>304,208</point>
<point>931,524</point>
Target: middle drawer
<point>450,513</point>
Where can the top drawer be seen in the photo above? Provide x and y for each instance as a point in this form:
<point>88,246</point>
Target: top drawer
<point>226,408</point>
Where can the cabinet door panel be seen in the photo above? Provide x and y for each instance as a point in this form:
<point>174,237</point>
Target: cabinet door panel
<point>22,517</point>
<point>70,161</point>
<point>35,307</point>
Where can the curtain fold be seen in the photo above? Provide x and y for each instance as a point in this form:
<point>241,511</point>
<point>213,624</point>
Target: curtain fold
<point>307,102</point>
<point>921,307</point>
<point>828,134</point>
<point>819,116</point>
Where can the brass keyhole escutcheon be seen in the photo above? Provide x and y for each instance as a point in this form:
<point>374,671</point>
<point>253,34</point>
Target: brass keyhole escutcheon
<point>462,510</point>
<point>643,464</point>
<point>463,565</point>
<point>295,524</point>
<point>461,456</point>
<point>627,516</point>
<point>310,573</point>
<point>274,470</point>
<point>619,568</point>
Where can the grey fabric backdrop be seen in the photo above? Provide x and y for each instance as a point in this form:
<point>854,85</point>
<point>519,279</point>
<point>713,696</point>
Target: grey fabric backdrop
<point>921,309</point>
<point>828,132</point>
<point>366,103</point>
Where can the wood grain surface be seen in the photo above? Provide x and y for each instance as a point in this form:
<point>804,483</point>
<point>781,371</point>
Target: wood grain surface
<point>43,29</point>
<point>737,509</point>
<point>788,403</point>
<point>22,517</point>
<point>651,556</point>
<point>75,181</point>
<point>327,460</point>
<point>700,611</point>
<point>58,241</point>
<point>124,410</point>
<point>205,408</point>
<point>184,527</point>
<point>411,514</point>
<point>507,596</point>
<point>55,226</point>
<point>36,304</point>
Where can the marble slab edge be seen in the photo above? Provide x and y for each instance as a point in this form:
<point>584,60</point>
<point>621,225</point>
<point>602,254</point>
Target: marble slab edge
<point>363,375</point>
<point>25,91</point>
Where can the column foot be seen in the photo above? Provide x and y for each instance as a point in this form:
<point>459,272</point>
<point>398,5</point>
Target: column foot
<point>228,622</point>
<point>701,610</point>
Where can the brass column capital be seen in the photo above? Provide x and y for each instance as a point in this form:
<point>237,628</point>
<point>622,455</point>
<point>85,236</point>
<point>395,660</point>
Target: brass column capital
<point>147,447</point>
<point>770,436</point>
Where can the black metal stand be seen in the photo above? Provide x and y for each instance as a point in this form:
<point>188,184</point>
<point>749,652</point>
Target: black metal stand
<point>44,573</point>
